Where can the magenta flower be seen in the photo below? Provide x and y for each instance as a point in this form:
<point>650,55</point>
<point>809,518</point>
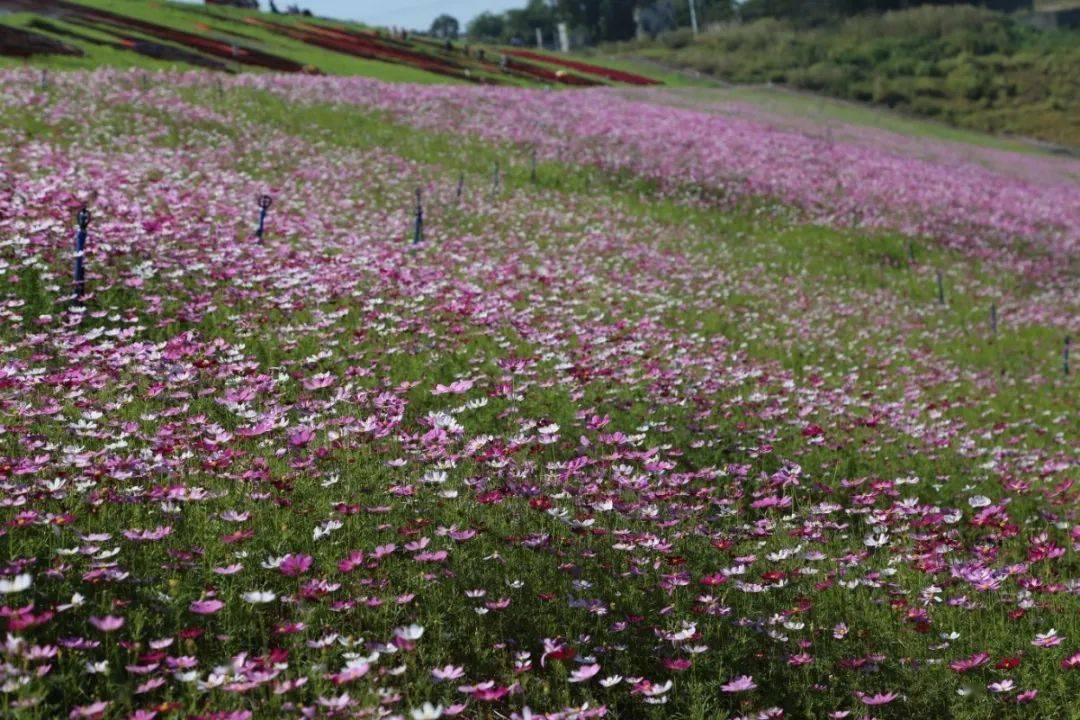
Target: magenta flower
<point>966,664</point>
<point>293,565</point>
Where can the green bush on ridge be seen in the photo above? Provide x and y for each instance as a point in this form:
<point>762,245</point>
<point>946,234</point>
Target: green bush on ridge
<point>966,65</point>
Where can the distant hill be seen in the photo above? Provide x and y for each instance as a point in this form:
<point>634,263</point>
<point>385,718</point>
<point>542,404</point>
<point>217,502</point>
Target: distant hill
<point>967,66</point>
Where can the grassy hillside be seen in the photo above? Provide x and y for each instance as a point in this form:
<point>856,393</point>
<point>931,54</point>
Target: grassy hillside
<point>963,65</point>
<point>159,35</point>
<point>224,23</point>
<point>621,437</point>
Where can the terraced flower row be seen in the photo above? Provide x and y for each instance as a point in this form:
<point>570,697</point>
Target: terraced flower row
<point>516,466</point>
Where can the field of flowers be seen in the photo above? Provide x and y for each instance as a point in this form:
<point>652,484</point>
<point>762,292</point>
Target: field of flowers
<point>667,414</point>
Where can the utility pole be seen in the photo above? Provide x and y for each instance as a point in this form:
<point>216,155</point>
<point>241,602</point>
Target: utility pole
<point>693,18</point>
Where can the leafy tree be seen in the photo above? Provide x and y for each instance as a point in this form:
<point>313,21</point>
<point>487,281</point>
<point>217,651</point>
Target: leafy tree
<point>445,27</point>
<point>486,26</point>
<point>522,24</point>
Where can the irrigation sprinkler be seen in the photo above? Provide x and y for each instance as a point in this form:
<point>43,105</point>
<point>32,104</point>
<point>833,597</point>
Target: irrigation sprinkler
<point>496,179</point>
<point>83,221</point>
<point>418,231</point>
<point>940,289</point>
<point>44,79</point>
<point>265,201</point>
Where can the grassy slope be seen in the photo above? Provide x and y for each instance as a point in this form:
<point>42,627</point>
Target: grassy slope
<point>807,255</point>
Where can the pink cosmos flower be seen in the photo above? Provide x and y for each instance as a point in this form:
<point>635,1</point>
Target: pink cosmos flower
<point>206,607</point>
<point>877,699</point>
<point>107,624</point>
<point>93,711</point>
<point>742,683</point>
<point>584,672</point>
<point>962,666</point>
<point>450,672</point>
<point>301,437</point>
<point>456,387</point>
<point>1050,638</point>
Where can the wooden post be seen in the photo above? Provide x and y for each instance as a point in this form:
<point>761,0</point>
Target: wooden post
<point>265,201</point>
<point>83,220</point>
<point>418,230</point>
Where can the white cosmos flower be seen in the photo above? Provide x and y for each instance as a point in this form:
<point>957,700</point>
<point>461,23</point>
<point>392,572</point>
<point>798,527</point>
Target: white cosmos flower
<point>412,632</point>
<point>16,584</point>
<point>259,597</point>
<point>427,712</point>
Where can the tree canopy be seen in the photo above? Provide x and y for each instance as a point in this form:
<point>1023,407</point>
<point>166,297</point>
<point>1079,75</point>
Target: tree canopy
<point>609,20</point>
<point>446,27</point>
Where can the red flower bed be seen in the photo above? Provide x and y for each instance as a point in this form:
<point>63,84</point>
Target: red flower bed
<point>248,56</point>
<point>616,75</point>
<point>368,47</point>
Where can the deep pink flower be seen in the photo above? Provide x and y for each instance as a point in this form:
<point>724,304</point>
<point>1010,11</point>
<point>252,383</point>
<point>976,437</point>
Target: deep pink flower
<point>293,565</point>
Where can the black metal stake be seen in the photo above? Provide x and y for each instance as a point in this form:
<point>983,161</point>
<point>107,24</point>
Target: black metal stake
<point>418,231</point>
<point>993,319</point>
<point>497,179</point>
<point>44,79</point>
<point>940,289</point>
<point>1065,355</point>
<point>265,201</point>
<point>83,220</point>
<point>460,187</point>
<point>532,172</point>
